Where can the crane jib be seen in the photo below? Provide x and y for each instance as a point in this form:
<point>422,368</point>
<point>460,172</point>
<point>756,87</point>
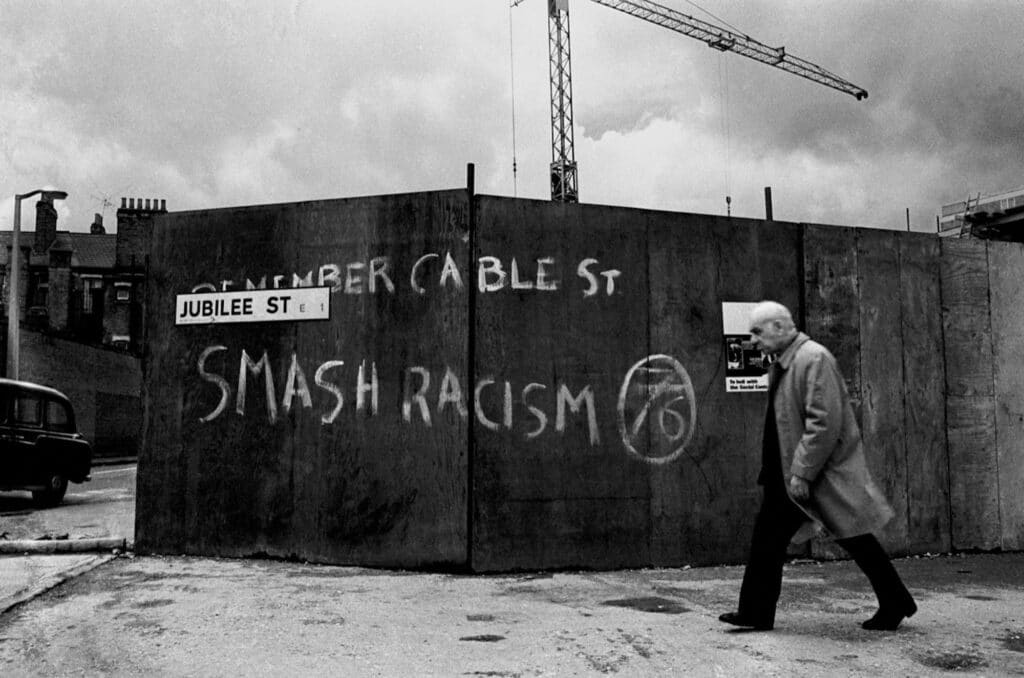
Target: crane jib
<point>725,40</point>
<point>563,161</point>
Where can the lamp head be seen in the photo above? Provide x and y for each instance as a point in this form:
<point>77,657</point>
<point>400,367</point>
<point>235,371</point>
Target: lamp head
<point>53,195</point>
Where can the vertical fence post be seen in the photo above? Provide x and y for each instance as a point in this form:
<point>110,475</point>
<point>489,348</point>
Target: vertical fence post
<point>470,361</point>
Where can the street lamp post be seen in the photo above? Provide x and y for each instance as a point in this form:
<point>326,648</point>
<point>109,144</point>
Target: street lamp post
<point>13,311</point>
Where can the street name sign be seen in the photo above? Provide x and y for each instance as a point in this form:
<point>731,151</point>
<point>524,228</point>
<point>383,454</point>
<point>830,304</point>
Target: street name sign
<point>253,306</point>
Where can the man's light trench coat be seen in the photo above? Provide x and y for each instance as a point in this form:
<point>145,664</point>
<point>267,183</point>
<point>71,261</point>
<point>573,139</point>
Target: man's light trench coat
<point>820,442</point>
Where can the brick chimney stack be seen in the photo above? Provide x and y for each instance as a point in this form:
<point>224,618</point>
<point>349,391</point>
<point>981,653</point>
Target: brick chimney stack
<point>59,282</point>
<point>134,226</point>
<point>46,225</point>
<point>97,225</point>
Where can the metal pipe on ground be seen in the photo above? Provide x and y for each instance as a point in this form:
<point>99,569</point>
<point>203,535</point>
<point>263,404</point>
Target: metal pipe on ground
<point>63,545</point>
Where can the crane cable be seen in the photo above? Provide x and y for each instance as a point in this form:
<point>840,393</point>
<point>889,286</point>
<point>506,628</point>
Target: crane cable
<point>512,87</point>
<point>723,98</point>
<point>718,19</point>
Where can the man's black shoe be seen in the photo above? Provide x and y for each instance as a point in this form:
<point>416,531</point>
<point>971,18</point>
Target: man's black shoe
<point>737,619</point>
<point>889,620</point>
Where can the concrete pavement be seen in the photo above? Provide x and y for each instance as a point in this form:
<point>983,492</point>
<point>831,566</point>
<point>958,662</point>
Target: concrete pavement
<point>23,577</point>
<point>181,616</point>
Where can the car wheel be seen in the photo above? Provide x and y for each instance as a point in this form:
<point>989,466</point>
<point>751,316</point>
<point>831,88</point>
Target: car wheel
<point>56,486</point>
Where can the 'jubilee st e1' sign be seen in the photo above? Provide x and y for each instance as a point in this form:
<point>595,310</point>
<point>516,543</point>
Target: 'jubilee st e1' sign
<point>253,306</point>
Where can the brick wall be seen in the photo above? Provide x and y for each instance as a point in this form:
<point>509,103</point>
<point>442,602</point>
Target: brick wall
<point>104,387</point>
<point>57,298</point>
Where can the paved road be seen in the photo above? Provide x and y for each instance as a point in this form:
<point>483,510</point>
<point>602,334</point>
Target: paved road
<point>131,616</point>
<point>148,616</point>
<point>102,507</point>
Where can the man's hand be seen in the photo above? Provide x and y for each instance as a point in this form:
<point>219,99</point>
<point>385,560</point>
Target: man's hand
<point>799,488</point>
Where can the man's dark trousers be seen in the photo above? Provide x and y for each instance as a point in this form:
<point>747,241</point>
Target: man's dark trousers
<point>776,523</point>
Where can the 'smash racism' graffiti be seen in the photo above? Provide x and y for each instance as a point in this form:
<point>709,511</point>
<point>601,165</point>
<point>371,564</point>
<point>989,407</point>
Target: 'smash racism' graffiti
<point>655,402</point>
<point>655,410</point>
<point>431,271</point>
<point>426,394</point>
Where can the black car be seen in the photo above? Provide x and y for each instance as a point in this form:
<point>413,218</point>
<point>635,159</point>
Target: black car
<point>41,449</point>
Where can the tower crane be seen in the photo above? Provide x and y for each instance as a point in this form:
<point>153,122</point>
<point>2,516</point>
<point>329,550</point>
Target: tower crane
<point>563,155</point>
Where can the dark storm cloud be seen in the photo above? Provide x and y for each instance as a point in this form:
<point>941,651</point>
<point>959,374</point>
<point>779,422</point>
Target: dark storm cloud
<point>949,70</point>
<point>210,104</point>
<point>940,72</point>
<point>337,96</point>
<point>945,114</point>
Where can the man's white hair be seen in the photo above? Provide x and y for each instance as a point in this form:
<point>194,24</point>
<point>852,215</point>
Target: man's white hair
<point>767,311</point>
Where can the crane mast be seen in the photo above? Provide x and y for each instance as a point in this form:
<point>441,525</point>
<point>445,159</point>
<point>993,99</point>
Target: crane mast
<point>563,153</point>
<point>564,187</point>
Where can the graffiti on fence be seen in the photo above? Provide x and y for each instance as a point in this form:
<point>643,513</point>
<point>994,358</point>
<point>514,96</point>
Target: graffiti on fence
<point>431,272</point>
<point>655,407</point>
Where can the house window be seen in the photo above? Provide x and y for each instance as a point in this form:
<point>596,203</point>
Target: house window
<point>123,292</point>
<point>89,288</point>
<point>39,297</point>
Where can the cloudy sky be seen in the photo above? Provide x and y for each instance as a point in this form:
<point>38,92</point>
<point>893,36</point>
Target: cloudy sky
<point>213,104</point>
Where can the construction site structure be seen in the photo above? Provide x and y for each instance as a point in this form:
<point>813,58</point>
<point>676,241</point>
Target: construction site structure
<point>564,180</point>
<point>991,216</point>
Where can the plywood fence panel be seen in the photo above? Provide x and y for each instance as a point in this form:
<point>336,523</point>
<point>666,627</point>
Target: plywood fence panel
<point>974,492</point>
<point>780,265</point>
<point>387,481</point>
<point>555,481</point>
<point>924,400</point>
<point>291,438</point>
<point>1006,281</point>
<point>684,260</point>
<point>704,501</point>
<point>966,323</point>
<point>970,402</point>
<point>161,495</point>
<point>882,379</point>
<point>213,481</point>
<point>831,302</point>
<point>832,298</point>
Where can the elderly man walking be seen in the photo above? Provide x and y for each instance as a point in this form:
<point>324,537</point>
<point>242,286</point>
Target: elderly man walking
<point>813,470</point>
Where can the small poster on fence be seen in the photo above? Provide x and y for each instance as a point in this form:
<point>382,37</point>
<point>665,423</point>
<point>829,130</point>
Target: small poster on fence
<point>746,368</point>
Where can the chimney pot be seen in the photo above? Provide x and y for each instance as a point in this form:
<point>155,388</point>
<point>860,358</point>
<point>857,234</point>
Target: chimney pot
<point>163,205</point>
<point>124,203</point>
<point>131,203</point>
